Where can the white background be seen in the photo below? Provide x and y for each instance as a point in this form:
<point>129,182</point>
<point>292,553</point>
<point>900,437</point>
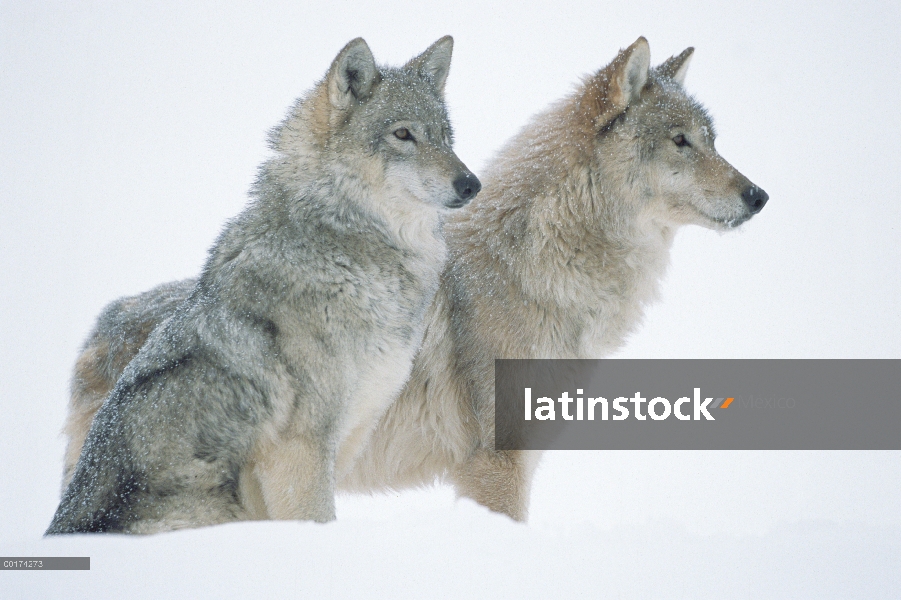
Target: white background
<point>128,134</point>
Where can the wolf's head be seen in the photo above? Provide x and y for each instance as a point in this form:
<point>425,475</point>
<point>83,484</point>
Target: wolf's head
<point>383,129</point>
<point>659,141</point>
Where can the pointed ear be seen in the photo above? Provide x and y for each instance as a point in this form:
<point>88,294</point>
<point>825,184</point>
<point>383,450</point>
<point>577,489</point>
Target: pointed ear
<point>676,67</point>
<point>630,73</point>
<point>352,75</point>
<point>434,63</point>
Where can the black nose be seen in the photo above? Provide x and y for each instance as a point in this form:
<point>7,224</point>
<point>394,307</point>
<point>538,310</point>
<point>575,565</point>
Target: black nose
<point>755,198</point>
<point>467,186</point>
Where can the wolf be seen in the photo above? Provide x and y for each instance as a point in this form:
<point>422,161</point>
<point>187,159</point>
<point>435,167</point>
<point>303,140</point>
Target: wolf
<point>261,383</point>
<point>557,258</point>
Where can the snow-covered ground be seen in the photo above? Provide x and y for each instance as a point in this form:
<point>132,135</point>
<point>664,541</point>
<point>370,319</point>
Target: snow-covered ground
<point>129,133</point>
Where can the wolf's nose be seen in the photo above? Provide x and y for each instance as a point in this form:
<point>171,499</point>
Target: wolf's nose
<point>755,198</point>
<point>467,186</point>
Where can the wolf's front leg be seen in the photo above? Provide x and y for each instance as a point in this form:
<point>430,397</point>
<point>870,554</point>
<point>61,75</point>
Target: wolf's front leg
<point>499,480</point>
<point>296,474</point>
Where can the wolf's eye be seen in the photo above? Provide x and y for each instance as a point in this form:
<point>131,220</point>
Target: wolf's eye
<point>403,134</point>
<point>680,141</point>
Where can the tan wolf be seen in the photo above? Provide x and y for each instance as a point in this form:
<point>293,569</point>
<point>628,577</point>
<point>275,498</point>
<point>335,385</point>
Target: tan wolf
<point>556,258</point>
<point>256,393</point>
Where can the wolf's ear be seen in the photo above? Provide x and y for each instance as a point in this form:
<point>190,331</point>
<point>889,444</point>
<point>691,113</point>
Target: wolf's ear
<point>352,75</point>
<point>434,63</point>
<point>630,73</point>
<point>676,67</point>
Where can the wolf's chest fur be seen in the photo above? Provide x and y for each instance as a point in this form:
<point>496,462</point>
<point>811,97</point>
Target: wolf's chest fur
<point>351,304</point>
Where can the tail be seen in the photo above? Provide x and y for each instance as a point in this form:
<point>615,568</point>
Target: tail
<point>105,487</point>
<point>92,382</point>
<point>79,513</point>
<point>118,335</point>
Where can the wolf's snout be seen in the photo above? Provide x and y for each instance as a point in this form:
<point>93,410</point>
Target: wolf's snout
<point>466,186</point>
<point>755,198</point>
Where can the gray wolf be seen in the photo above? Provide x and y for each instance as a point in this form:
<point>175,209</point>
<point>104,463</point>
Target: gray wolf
<point>556,258</point>
<point>262,382</point>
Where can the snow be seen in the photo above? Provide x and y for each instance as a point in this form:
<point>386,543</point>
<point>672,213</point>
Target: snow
<point>130,133</point>
<point>466,552</point>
